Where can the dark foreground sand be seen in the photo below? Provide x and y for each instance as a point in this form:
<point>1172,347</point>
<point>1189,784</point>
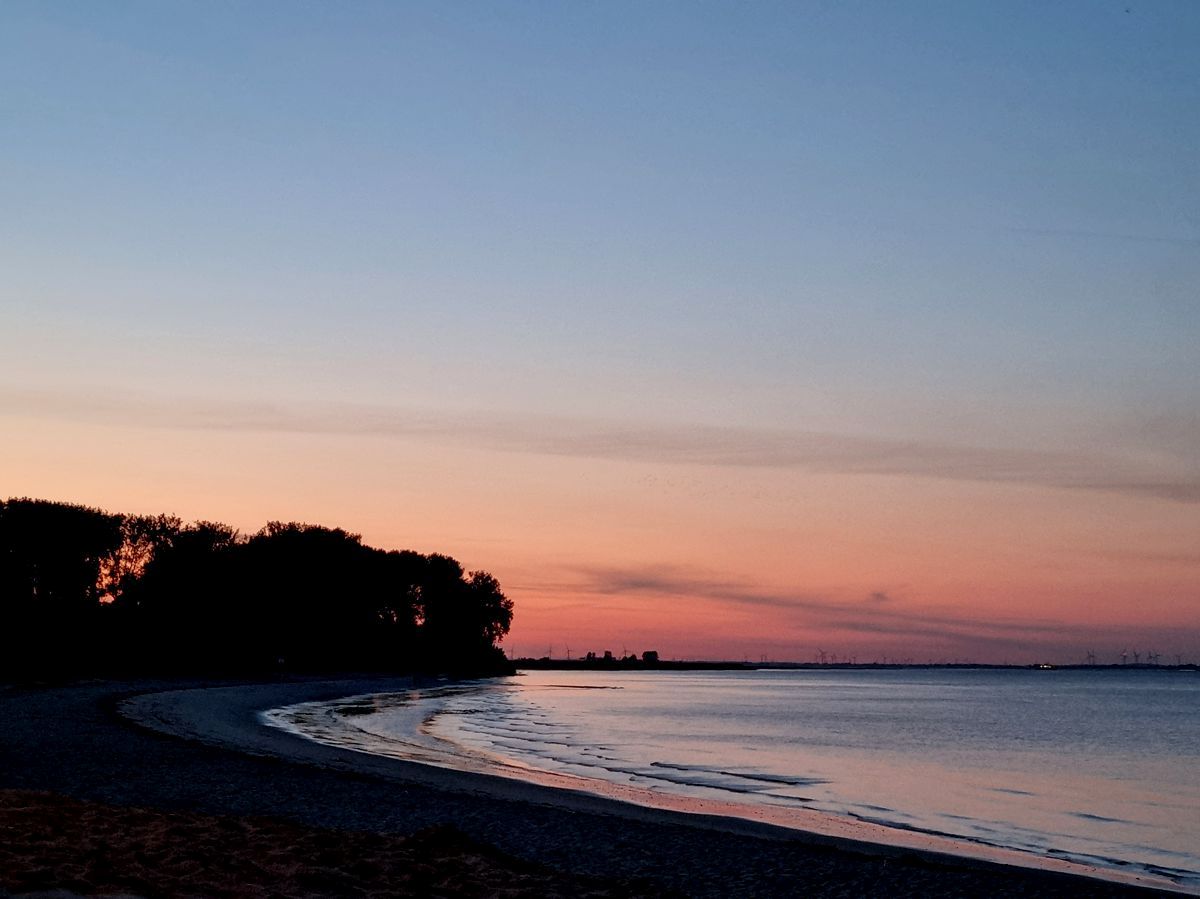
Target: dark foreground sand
<point>54,843</point>
<point>231,808</point>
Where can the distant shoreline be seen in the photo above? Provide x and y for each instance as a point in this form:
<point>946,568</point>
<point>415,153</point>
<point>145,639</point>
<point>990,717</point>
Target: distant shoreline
<point>628,664</point>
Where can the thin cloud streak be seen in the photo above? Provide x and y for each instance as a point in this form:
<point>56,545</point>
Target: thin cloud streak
<point>868,613</point>
<point>1107,235</point>
<point>1152,558</point>
<point>664,444</point>
<point>868,617</point>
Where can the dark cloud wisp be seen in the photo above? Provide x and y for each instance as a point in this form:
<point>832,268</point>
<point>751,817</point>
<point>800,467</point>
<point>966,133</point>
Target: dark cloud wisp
<point>1177,481</point>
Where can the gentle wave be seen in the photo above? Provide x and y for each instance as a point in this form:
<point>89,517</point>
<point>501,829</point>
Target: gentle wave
<point>682,743</point>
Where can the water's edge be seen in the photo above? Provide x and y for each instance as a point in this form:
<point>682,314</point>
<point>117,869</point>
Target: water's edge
<point>413,734</point>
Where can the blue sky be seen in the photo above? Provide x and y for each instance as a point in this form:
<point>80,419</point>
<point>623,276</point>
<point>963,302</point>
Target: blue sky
<point>820,193</point>
<point>959,224</point>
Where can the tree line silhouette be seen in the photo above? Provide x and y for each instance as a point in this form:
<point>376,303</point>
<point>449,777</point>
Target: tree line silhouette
<point>83,590</point>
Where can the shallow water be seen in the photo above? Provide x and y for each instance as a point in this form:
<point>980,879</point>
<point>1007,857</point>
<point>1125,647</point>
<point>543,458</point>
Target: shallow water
<point>1096,767</point>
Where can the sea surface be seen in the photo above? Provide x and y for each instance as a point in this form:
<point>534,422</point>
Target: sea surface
<point>1095,768</point>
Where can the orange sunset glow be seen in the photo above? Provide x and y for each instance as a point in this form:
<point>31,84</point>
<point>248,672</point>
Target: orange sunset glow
<point>696,559</point>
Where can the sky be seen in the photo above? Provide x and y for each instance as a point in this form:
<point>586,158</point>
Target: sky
<point>725,330</point>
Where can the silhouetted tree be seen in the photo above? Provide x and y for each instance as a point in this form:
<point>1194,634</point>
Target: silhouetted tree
<point>141,537</point>
<point>390,601</point>
<point>171,616</point>
<point>460,616</point>
<point>309,592</point>
<point>52,552</point>
<point>150,592</point>
<point>50,559</point>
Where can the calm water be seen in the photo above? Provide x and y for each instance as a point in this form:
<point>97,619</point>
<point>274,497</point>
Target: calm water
<point>1101,768</point>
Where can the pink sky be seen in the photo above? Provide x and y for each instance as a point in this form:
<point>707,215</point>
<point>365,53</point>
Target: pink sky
<point>696,559</point>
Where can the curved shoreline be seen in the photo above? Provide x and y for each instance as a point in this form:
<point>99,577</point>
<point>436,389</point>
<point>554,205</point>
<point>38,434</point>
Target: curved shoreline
<point>198,747</point>
<point>229,718</point>
<point>336,723</point>
<point>234,718</point>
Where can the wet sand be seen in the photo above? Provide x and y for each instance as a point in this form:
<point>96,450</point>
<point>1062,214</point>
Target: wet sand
<point>283,802</point>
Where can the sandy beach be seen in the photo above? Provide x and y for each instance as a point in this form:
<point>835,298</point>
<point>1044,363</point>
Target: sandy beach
<point>176,788</point>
